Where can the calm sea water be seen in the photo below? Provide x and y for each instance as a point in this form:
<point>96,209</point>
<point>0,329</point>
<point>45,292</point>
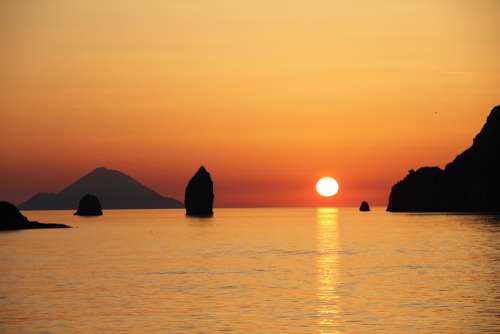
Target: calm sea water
<point>252,271</point>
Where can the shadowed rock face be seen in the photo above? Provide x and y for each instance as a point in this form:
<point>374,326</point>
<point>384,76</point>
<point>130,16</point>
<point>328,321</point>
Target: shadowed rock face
<point>12,219</point>
<point>365,207</point>
<point>471,183</point>
<point>89,206</point>
<point>199,196</point>
<point>421,190</point>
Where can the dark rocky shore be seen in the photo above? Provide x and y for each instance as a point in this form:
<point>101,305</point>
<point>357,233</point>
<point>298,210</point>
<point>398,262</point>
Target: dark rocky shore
<point>11,219</point>
<point>471,183</point>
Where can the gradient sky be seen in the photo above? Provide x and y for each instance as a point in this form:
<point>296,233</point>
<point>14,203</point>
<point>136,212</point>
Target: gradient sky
<point>268,95</point>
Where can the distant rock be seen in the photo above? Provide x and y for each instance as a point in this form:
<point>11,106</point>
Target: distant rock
<point>365,207</point>
<point>12,219</point>
<point>89,206</point>
<point>114,189</point>
<point>199,196</point>
<point>471,183</point>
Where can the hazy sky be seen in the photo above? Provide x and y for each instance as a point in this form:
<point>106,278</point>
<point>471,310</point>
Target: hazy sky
<point>268,95</point>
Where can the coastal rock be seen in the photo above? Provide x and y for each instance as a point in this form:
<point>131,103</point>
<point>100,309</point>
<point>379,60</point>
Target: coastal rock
<point>471,183</point>
<point>365,207</point>
<point>421,190</point>
<point>89,206</point>
<point>12,219</point>
<point>199,197</point>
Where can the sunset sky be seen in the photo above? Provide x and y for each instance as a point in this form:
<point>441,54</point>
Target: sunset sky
<point>268,95</point>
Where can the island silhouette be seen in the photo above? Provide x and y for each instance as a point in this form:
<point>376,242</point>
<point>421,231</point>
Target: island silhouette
<point>114,189</point>
<point>471,183</point>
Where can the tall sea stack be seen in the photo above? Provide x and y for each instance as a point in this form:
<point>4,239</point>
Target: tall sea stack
<point>199,198</point>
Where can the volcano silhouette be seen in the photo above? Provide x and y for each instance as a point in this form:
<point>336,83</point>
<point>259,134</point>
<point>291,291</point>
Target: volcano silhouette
<point>114,189</point>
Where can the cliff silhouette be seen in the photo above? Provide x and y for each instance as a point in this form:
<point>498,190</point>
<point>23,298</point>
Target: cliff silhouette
<point>470,183</point>
<point>114,189</point>
<point>199,196</point>
<point>11,219</point>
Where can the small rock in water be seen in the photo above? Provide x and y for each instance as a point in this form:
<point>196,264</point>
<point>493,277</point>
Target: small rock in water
<point>89,206</point>
<point>364,206</point>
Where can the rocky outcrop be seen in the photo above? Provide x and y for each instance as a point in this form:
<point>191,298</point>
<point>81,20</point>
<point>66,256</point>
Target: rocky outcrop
<point>421,190</point>
<point>114,189</point>
<point>199,197</point>
<point>471,183</point>
<point>364,207</point>
<point>89,206</point>
<point>12,219</point>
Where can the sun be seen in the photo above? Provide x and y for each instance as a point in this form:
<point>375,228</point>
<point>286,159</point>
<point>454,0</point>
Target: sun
<point>327,186</point>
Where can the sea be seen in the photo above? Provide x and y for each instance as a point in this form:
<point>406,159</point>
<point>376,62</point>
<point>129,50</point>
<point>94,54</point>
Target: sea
<point>287,270</point>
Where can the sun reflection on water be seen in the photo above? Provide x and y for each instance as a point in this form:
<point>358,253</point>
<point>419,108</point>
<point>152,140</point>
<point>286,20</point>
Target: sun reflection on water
<point>326,266</point>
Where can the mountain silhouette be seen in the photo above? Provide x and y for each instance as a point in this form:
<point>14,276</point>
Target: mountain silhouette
<point>114,189</point>
<point>199,196</point>
<point>471,183</point>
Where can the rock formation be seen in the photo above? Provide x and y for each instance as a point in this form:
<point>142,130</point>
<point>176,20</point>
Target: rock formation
<point>199,196</point>
<point>365,207</point>
<point>471,183</point>
<point>12,219</point>
<point>89,206</point>
<point>114,189</point>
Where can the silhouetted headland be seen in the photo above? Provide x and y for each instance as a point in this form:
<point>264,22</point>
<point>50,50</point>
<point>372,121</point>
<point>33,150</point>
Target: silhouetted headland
<point>199,196</point>
<point>365,207</point>
<point>89,206</point>
<point>471,183</point>
<point>11,219</point>
<point>114,189</point>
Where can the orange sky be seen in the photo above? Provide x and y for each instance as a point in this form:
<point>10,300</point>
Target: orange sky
<point>268,95</point>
